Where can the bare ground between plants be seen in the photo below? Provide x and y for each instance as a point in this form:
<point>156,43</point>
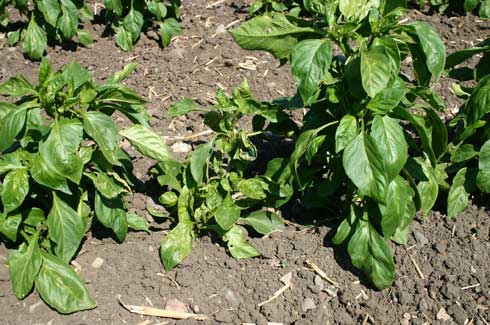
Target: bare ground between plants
<point>442,275</point>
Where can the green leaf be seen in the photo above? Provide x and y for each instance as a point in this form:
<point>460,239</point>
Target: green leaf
<point>354,10</point>
<point>17,86</point>
<point>176,245</point>
<point>458,197</point>
<point>60,150</point>
<point>363,164</point>
<point>168,30</point>
<point>264,222</point>
<point>34,40</point>
<point>15,189</point>
<point>387,99</point>
<point>84,37</point>
<point>479,103</point>
<point>389,138</point>
<point>470,5</point>
<point>226,215</point>
<point>66,229</point>
<point>10,126</point>
<point>460,56</point>
<point>104,131</point>
<point>463,153</point>
<point>133,23</point>
<point>122,74</point>
<point>375,72</point>
<point>253,188</point>
<point>43,174</point>
<point>393,210</point>
<point>115,6</point>
<point>484,11</point>
<point>106,185</point>
<point>68,22</point>
<point>147,142</point>
<point>199,162</point>
<point>238,245</point>
<point>137,223</point>
<point>275,34</point>
<point>427,187</point>
<point>432,46</point>
<point>370,253</point>
<point>61,288</point>
<point>45,72</point>
<point>13,37</point>
<point>9,226</point>
<point>168,199</point>
<point>483,177</point>
<point>24,264</point>
<point>124,39</point>
<point>310,63</point>
<point>346,132</point>
<point>183,107</point>
<point>50,10</point>
<point>111,213</point>
<point>157,8</point>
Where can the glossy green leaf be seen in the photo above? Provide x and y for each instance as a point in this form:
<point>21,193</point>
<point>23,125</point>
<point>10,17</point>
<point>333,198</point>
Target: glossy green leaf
<point>238,245</point>
<point>24,264</point>
<point>66,229</point>
<point>264,222</point>
<point>169,29</point>
<point>276,35</point>
<point>363,164</point>
<point>147,142</point>
<point>106,185</point>
<point>61,287</point>
<point>104,131</point>
<point>375,73</point>
<point>137,223</point>
<point>199,162</point>
<point>34,40</point>
<point>17,86</point>
<point>393,210</point>
<point>432,46</point>
<point>226,215</point>
<point>176,245</point>
<point>50,10</point>
<point>10,126</point>
<point>68,22</point>
<point>15,189</point>
<point>133,23</point>
<point>479,103</point>
<point>84,37</point>
<point>124,39</point>
<point>310,62</point>
<point>346,132</point>
<point>369,252</point>
<point>483,177</point>
<point>43,174</point>
<point>253,188</point>
<point>387,99</point>
<point>458,197</point>
<point>112,214</point>
<point>388,136</point>
<point>60,150</point>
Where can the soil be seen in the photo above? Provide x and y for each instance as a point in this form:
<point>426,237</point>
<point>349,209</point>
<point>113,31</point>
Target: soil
<point>442,274</point>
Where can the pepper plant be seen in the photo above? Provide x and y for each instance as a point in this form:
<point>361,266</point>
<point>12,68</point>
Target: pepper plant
<point>468,157</point>
<point>48,21</point>
<point>129,18</point>
<point>483,6</point>
<point>217,189</point>
<point>62,164</point>
<point>371,139</point>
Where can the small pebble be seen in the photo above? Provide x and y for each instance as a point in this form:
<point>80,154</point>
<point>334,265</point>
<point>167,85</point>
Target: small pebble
<point>233,298</point>
<point>181,147</point>
<point>419,238</point>
<point>308,304</point>
<point>176,305</point>
<point>442,315</point>
<point>97,263</point>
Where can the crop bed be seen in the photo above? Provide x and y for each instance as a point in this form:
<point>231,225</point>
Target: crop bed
<point>442,274</point>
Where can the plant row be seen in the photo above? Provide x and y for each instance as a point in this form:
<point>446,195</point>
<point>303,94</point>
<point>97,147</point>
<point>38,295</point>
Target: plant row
<point>375,146</point>
<point>48,21</point>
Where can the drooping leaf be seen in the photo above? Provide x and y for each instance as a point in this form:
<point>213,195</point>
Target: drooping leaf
<point>68,21</point>
<point>483,177</point>
<point>253,188</point>
<point>10,126</point>
<point>61,288</point>
<point>138,223</point>
<point>310,62</point>
<point>363,164</point>
<point>169,29</point>
<point>479,103</point>
<point>147,142</point>
<point>34,40</point>
<point>104,131</point>
<point>264,222</point>
<point>346,132</point>
<point>199,162</point>
<point>133,23</point>
<point>238,245</point>
<point>17,86</point>
<point>226,215</point>
<point>66,229</point>
<point>176,245</point>
<point>458,197</point>
<point>24,264</point>
<point>112,214</point>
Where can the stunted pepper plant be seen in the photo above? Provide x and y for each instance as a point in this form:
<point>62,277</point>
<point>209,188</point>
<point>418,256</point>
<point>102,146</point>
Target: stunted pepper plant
<point>62,166</point>
<point>48,21</point>
<point>129,18</point>
<point>217,189</point>
<point>371,139</point>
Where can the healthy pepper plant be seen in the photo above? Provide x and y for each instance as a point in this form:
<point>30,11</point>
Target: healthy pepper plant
<point>61,164</point>
<point>129,18</point>
<point>468,157</point>
<point>49,20</point>
<point>216,189</point>
<point>371,138</point>
<point>482,6</point>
